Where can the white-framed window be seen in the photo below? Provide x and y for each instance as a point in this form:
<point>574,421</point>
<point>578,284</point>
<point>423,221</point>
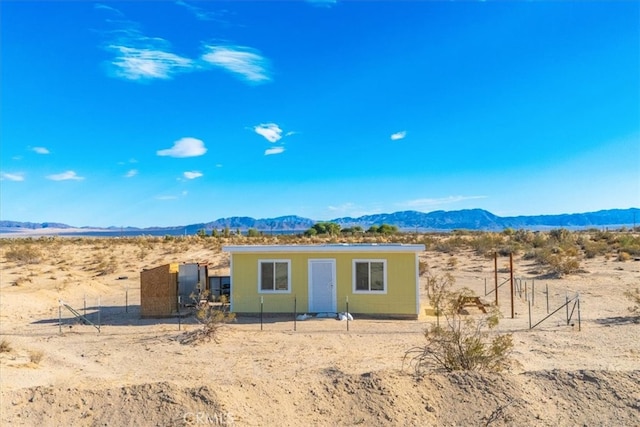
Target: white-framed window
<point>370,276</point>
<point>274,275</point>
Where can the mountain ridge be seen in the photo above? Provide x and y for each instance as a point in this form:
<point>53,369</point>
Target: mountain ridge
<point>472,219</point>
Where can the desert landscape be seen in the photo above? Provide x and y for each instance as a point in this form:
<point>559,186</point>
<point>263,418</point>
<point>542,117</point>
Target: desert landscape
<point>136,372</point>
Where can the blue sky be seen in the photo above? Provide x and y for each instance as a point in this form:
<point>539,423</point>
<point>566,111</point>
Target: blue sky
<point>169,113</point>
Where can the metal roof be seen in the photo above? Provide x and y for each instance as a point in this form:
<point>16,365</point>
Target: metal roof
<point>338,247</point>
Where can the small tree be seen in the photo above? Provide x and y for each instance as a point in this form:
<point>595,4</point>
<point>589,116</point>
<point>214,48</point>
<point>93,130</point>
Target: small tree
<point>463,343</point>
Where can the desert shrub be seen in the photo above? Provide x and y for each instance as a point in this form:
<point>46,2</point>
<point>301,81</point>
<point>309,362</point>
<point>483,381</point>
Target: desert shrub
<point>592,249</point>
<point>36,356</point>
<point>423,267</point>
<point>462,343</point>
<point>561,235</point>
<point>629,244</point>
<point>24,254</point>
<point>5,346</point>
<point>623,256</point>
<point>438,291</point>
<point>452,262</point>
<point>486,243</point>
<point>211,318</point>
<point>634,296</point>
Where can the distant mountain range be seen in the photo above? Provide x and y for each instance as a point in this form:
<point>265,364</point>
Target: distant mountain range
<point>469,219</point>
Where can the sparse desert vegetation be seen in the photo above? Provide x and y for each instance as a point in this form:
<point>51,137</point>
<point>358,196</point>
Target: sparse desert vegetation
<point>553,374</point>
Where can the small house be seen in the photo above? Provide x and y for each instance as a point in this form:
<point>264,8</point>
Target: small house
<point>373,279</point>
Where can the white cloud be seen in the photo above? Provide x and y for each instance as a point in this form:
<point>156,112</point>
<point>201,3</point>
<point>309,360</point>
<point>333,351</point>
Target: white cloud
<point>65,176</point>
<point>398,135</point>
<point>131,173</point>
<point>200,13</point>
<point>426,203</point>
<point>244,62</point>
<point>184,147</point>
<point>12,176</point>
<point>274,150</point>
<point>166,197</point>
<point>147,63</point>
<point>40,150</point>
<point>192,174</point>
<point>270,131</point>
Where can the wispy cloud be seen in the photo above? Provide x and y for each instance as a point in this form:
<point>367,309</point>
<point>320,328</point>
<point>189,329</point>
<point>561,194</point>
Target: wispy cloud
<point>192,174</point>
<point>200,13</point>
<point>137,57</point>
<point>350,209</point>
<point>166,197</point>
<point>131,173</point>
<point>244,62</point>
<point>270,131</point>
<point>146,59</point>
<point>184,147</point>
<point>40,150</point>
<point>427,203</point>
<point>12,176</point>
<point>323,3</point>
<point>274,150</point>
<point>398,135</point>
<point>65,176</point>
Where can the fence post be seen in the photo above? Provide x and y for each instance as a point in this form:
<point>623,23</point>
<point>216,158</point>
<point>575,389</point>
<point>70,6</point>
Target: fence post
<point>529,314</point>
<point>347,313</point>
<point>566,299</point>
<point>126,299</point>
<point>533,292</point>
<point>546,288</point>
<point>579,322</point>
<point>495,273</point>
<point>511,277</point>
<point>261,310</point>
<point>295,312</point>
<point>60,317</point>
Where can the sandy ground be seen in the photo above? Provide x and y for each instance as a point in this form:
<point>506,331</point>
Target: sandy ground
<point>136,372</point>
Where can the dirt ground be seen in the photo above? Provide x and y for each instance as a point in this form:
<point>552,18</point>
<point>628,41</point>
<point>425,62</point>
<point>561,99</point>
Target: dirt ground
<point>136,372</point>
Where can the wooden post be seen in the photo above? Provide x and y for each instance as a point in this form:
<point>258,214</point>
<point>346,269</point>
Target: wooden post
<point>60,317</point>
<point>261,310</point>
<point>295,312</point>
<point>566,299</point>
<point>495,274</point>
<point>511,277</point>
<point>529,314</point>
<point>126,299</point>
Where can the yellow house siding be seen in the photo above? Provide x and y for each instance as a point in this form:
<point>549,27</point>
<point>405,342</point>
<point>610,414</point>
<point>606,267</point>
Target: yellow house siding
<point>399,297</point>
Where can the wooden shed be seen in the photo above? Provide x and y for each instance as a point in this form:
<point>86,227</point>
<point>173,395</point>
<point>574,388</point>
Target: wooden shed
<point>159,291</point>
<point>162,287</point>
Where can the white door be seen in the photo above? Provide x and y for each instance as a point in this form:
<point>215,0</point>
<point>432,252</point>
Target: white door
<point>322,286</point>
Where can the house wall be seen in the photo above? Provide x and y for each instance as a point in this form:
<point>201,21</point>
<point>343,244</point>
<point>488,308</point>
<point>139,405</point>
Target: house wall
<point>158,291</point>
<point>400,298</point>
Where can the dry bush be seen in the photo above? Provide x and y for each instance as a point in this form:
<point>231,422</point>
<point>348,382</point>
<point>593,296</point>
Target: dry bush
<point>5,346</point>
<point>634,296</point>
<point>212,319</point>
<point>21,281</point>
<point>452,262</point>
<point>462,343</point>
<point>24,254</point>
<point>623,256</point>
<point>36,356</point>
